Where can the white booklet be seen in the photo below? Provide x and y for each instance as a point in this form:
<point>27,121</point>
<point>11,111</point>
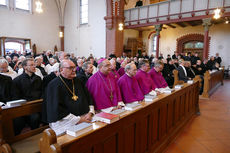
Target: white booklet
<point>132,106</point>
<point>79,129</point>
<point>15,102</point>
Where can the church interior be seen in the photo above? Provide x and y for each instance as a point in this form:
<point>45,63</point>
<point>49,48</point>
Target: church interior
<point>190,111</point>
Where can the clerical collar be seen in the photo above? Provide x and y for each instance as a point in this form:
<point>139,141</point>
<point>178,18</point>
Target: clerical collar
<point>104,75</point>
<point>128,75</point>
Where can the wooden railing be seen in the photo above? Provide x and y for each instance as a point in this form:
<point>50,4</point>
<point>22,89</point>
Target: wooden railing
<point>149,129</point>
<point>211,82</point>
<point>7,115</point>
<point>173,11</point>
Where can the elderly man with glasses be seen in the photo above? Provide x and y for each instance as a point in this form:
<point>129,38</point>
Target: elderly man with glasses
<point>67,101</point>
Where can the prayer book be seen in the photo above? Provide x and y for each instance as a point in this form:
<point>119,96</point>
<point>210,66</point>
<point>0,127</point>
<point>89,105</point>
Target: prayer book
<point>79,129</point>
<point>179,86</point>
<point>106,117</point>
<point>168,90</point>
<point>132,106</point>
<point>15,102</point>
<point>149,98</point>
<point>190,81</point>
<point>119,112</point>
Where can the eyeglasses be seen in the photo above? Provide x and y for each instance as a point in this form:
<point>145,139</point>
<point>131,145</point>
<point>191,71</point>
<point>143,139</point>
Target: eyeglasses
<point>31,65</point>
<point>71,68</point>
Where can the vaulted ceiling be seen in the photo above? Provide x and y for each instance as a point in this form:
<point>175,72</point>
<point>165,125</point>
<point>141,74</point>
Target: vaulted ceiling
<point>61,9</point>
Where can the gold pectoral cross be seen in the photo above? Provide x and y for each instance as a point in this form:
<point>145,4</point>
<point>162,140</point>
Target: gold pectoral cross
<point>111,96</point>
<point>75,97</point>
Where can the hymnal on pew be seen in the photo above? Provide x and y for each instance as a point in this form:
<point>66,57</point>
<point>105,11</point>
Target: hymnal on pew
<point>149,98</point>
<point>168,91</point>
<point>179,86</point>
<point>132,106</point>
<point>190,81</point>
<point>15,102</point>
<point>79,129</point>
<point>106,117</point>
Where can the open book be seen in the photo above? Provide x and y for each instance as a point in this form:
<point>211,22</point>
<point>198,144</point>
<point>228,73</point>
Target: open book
<point>106,117</point>
<point>79,129</point>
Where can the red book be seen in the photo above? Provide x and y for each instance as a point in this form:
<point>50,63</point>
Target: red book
<point>106,117</point>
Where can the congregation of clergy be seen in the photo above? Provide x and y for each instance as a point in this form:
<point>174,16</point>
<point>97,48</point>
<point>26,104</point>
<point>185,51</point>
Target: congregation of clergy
<point>73,89</point>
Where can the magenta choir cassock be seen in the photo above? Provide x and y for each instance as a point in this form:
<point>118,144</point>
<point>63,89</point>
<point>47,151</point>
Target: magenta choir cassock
<point>121,71</point>
<point>145,82</point>
<point>115,74</point>
<point>104,90</point>
<point>158,79</point>
<point>130,90</point>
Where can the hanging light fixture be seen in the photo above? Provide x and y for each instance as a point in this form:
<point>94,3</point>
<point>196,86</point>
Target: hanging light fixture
<point>39,7</point>
<point>120,26</point>
<point>60,34</point>
<point>217,13</point>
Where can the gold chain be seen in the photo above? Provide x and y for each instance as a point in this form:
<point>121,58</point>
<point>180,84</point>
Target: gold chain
<point>72,92</point>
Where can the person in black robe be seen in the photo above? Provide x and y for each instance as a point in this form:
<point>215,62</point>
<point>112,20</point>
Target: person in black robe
<point>200,68</point>
<point>28,86</point>
<point>85,73</point>
<point>211,63</point>
<point>218,58</point>
<point>139,3</point>
<point>38,62</point>
<point>6,88</point>
<point>67,98</point>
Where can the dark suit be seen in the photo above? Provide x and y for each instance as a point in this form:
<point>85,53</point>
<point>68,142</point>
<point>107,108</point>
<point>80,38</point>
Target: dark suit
<point>181,74</point>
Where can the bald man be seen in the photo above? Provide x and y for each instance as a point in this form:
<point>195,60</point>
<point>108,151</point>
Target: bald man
<point>104,88</point>
<point>67,100</point>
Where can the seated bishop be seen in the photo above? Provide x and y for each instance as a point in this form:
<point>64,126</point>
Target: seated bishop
<point>157,76</point>
<point>144,79</point>
<point>67,100</point>
<point>129,86</point>
<point>104,88</point>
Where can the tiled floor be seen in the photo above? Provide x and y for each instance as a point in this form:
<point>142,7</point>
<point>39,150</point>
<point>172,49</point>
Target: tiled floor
<point>209,132</point>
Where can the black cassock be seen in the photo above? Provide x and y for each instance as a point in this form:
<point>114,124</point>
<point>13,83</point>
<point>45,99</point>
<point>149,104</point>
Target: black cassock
<point>58,99</point>
<point>6,88</point>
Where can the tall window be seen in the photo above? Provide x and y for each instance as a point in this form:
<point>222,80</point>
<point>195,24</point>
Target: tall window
<point>11,46</point>
<point>23,4</point>
<point>154,44</point>
<point>83,11</point>
<point>2,2</point>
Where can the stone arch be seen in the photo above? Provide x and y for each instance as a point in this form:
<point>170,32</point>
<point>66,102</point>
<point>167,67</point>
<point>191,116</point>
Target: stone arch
<point>191,37</point>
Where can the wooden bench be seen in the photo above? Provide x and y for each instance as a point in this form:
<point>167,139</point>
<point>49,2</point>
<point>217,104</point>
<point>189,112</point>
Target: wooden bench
<point>25,142</point>
<point>211,82</point>
<point>149,129</point>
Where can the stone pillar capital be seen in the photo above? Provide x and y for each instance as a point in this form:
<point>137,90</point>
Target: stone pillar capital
<point>158,28</point>
<point>207,23</point>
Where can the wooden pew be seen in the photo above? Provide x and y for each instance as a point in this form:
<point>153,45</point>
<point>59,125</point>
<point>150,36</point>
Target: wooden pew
<point>8,141</point>
<point>176,78</point>
<point>149,129</point>
<point>177,81</point>
<point>211,82</point>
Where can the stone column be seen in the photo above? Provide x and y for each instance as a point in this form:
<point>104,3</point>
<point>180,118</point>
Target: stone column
<point>158,28</point>
<point>206,23</point>
<point>114,17</point>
